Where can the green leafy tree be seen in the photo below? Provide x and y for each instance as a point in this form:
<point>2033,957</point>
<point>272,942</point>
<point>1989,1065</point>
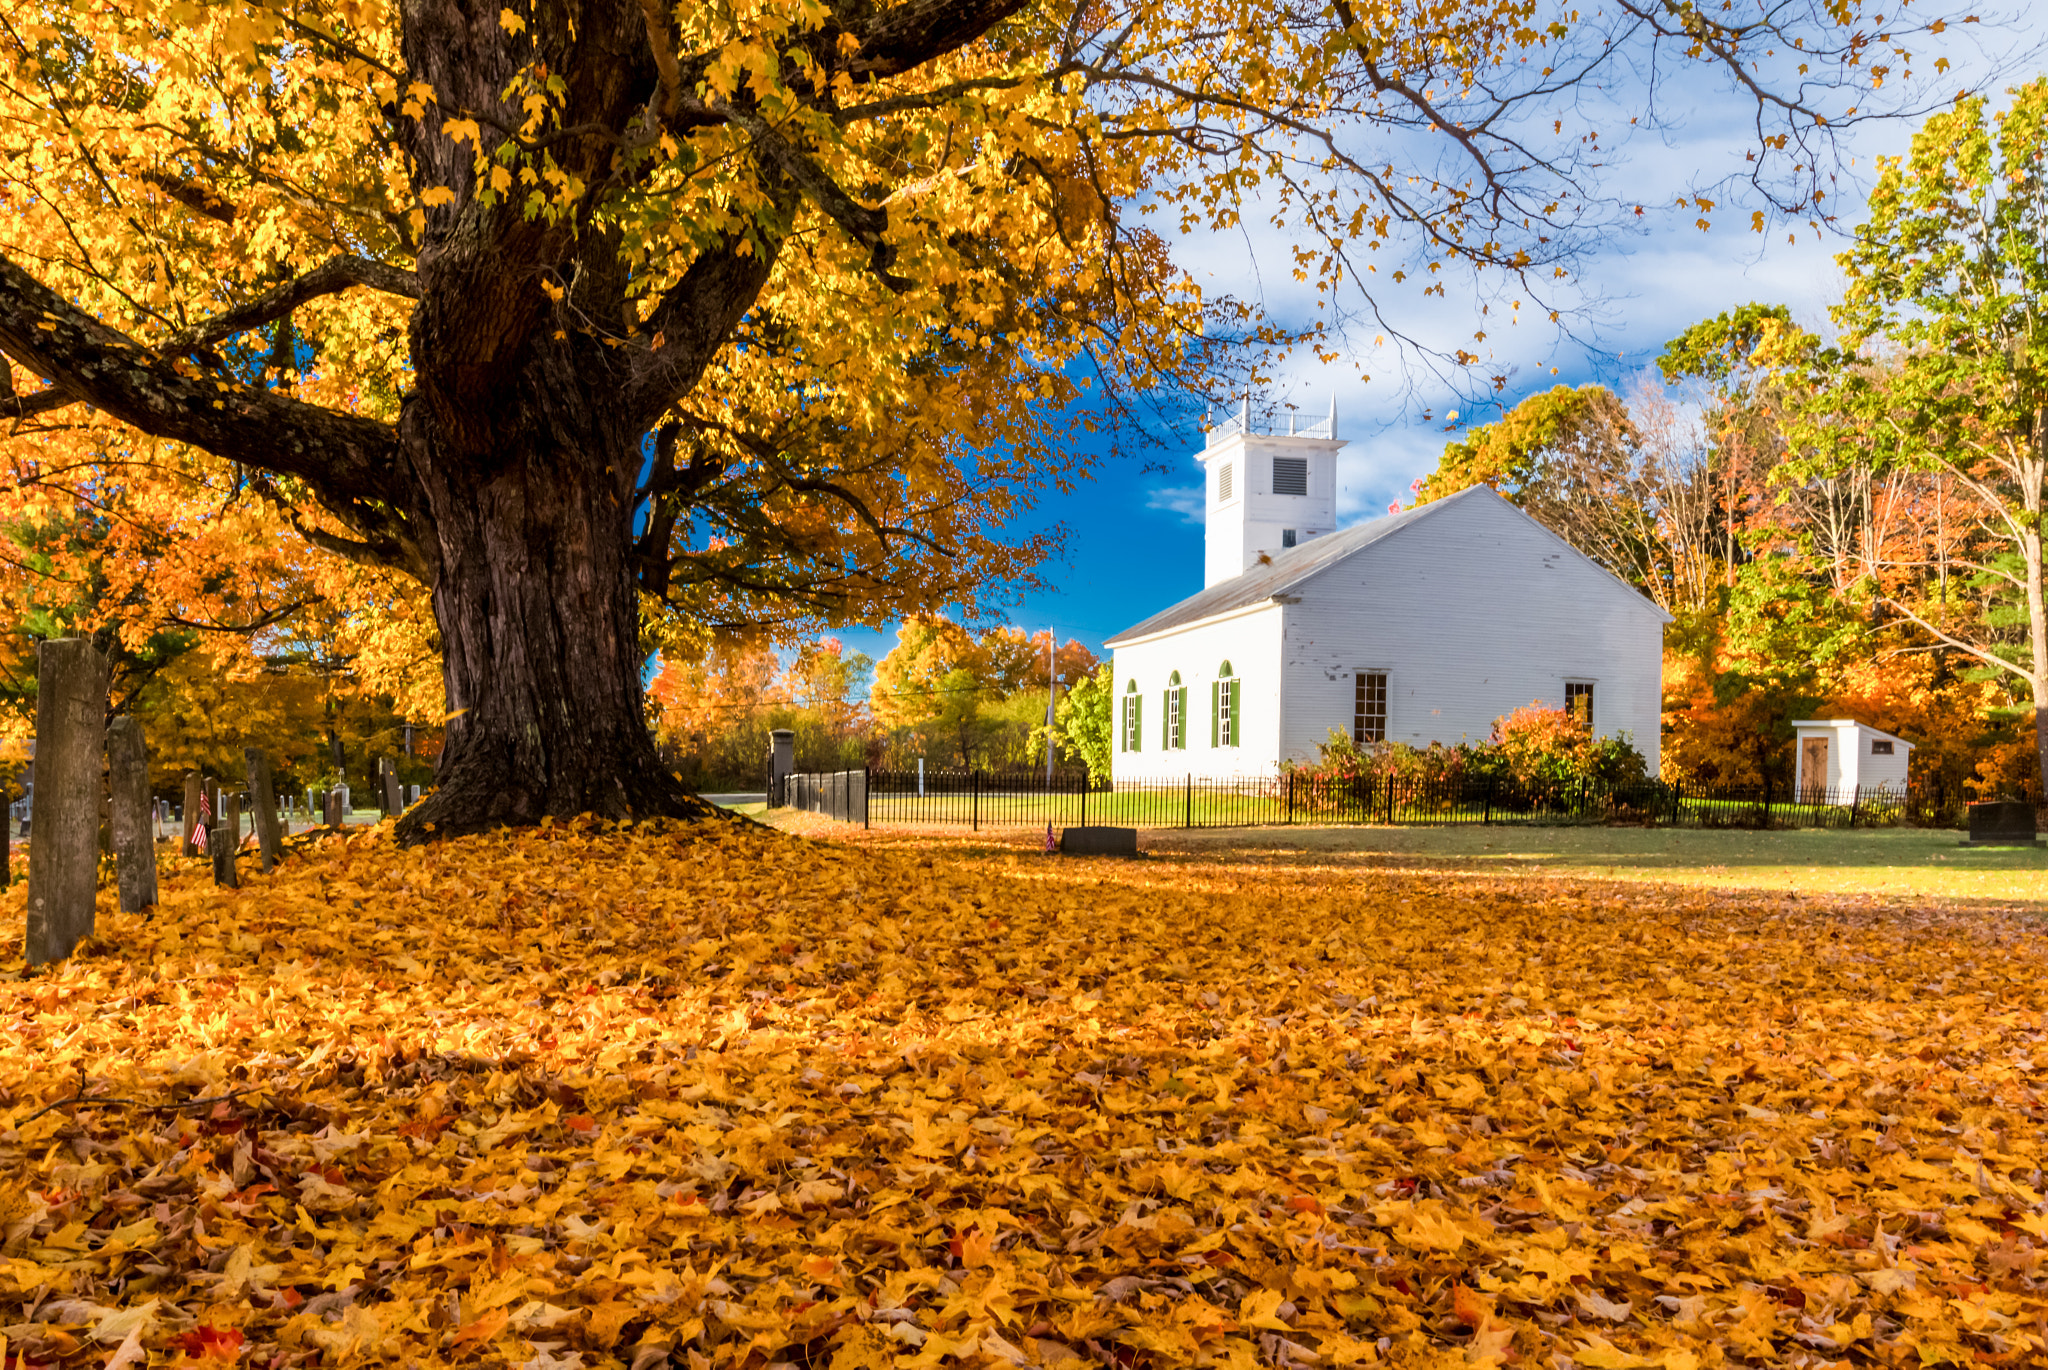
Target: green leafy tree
<point>1943,368</point>
<point>1085,719</point>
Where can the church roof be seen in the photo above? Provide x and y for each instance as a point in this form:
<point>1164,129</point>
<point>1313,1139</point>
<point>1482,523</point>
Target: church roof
<point>1284,571</point>
<point>1290,568</point>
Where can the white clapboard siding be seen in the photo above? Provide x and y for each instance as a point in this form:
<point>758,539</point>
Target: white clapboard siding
<point>1473,612</point>
<point>1250,642</point>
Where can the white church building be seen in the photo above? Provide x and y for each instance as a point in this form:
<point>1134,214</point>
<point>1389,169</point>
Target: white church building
<point>1422,626</point>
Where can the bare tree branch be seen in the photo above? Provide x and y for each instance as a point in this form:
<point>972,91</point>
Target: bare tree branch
<point>331,277</point>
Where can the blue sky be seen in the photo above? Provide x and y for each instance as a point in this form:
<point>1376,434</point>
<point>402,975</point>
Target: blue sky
<point>1135,538</point>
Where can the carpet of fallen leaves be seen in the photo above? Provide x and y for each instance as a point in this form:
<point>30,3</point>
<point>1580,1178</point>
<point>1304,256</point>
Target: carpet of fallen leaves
<point>715,1096</point>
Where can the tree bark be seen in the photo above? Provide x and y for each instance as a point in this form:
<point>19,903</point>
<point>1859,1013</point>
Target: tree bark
<point>538,606</point>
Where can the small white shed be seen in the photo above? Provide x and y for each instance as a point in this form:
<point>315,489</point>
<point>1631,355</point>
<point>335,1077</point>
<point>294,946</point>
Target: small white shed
<point>1841,756</point>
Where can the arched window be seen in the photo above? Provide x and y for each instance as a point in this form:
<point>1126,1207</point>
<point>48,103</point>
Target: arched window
<point>1174,733</point>
<point>1133,709</point>
<point>1224,729</point>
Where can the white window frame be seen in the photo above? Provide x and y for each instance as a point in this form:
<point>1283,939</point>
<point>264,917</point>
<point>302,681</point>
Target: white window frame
<point>1386,676</point>
<point>1592,700</point>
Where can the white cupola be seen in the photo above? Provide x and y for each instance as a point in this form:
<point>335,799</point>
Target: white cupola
<point>1266,492</point>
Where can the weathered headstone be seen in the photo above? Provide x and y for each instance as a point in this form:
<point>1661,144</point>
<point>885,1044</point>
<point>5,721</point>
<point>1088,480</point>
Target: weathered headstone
<point>263,794</point>
<point>2002,824</point>
<point>63,861</point>
<point>130,814</point>
<point>222,848</point>
<point>415,794</point>
<point>394,793</point>
<point>1099,841</point>
<point>193,790</point>
<point>337,811</point>
<point>347,804</point>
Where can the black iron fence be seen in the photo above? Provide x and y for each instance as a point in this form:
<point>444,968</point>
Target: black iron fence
<point>981,798</point>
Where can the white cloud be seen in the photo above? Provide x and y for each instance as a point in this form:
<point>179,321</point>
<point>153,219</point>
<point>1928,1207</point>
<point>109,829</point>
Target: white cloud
<point>1188,501</point>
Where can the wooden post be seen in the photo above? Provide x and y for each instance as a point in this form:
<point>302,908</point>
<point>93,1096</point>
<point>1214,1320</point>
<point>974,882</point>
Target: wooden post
<point>129,816</point>
<point>394,796</point>
<point>193,789</point>
<point>263,794</point>
<point>63,861</point>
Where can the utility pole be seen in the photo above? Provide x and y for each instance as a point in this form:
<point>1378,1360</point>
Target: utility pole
<point>1052,694</point>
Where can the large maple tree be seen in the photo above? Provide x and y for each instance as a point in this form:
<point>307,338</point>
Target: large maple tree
<point>582,313</point>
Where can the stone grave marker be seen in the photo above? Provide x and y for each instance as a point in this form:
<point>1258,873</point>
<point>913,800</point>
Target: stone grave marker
<point>63,861</point>
<point>130,813</point>
<point>263,794</point>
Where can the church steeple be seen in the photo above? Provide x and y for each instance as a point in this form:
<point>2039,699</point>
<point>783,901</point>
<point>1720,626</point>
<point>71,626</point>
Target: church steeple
<point>1266,491</point>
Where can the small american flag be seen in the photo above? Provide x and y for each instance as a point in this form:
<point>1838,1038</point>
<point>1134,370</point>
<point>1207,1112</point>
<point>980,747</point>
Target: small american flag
<point>199,838</point>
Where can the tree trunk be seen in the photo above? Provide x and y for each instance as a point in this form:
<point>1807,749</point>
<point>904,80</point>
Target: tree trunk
<point>538,608</point>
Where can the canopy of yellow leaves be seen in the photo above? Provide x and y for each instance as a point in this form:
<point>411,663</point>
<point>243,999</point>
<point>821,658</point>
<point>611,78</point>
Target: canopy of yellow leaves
<point>726,1097</point>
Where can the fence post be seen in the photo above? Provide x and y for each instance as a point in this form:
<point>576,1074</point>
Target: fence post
<point>1290,796</point>
<point>1765,825</point>
<point>1855,800</point>
<point>1189,820</point>
<point>1086,781</point>
<point>1492,783</point>
<point>977,799</point>
<point>866,779</point>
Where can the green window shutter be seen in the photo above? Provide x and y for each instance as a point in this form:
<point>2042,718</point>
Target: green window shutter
<point>1183,712</point>
<point>1236,715</point>
<point>1215,717</point>
<point>1137,720</point>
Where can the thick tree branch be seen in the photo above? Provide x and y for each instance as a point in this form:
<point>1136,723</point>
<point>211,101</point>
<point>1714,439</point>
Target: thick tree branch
<point>331,277</point>
<point>341,456</point>
<point>907,36</point>
<point>695,318</point>
<point>864,225</point>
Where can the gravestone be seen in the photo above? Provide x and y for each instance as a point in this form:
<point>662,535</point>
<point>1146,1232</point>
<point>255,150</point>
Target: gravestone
<point>130,814</point>
<point>415,795</point>
<point>336,811</point>
<point>263,794</point>
<point>222,848</point>
<point>193,790</point>
<point>394,793</point>
<point>1099,841</point>
<point>2002,824</point>
<point>63,861</point>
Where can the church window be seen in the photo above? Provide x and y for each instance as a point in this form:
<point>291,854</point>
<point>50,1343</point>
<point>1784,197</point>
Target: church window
<point>1369,708</point>
<point>1133,734</point>
<point>1287,537</point>
<point>1174,725</point>
<point>1224,708</point>
<point>1290,475</point>
<point>1578,701</point>
<point>1223,484</point>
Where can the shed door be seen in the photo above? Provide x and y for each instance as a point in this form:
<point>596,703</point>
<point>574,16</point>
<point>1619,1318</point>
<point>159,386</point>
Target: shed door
<point>1813,764</point>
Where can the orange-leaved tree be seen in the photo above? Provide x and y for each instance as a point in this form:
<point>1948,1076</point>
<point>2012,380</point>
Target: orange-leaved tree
<point>758,310</point>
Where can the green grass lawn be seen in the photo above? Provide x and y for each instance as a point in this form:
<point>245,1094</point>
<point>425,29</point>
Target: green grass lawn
<point>1920,864</point>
